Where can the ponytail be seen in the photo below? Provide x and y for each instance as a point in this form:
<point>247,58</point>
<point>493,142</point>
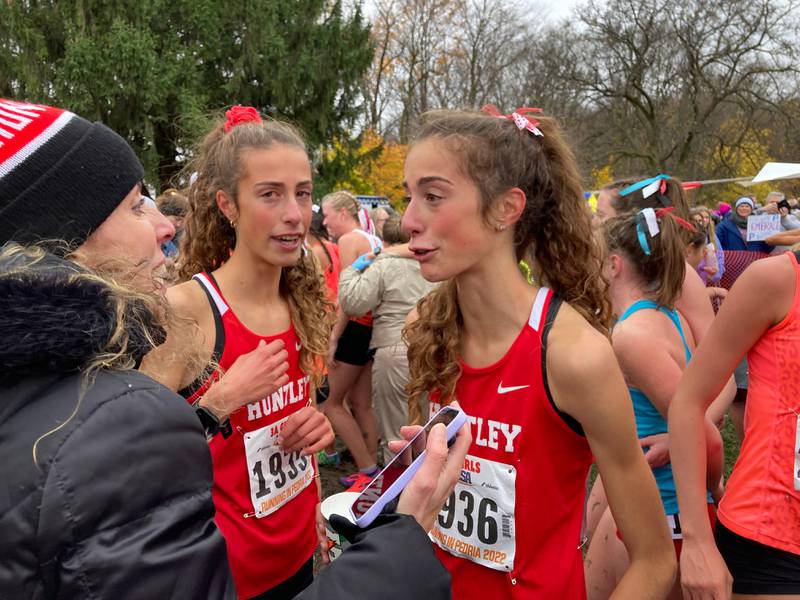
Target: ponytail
<point>656,253</point>
<point>554,233</point>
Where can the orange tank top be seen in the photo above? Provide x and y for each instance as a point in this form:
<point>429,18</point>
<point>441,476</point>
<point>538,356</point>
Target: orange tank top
<point>762,499</point>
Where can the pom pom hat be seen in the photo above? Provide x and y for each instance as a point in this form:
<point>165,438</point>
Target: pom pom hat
<point>60,175</point>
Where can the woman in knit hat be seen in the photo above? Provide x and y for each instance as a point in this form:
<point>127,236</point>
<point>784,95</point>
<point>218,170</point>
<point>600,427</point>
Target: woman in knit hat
<point>84,434</point>
<point>105,482</point>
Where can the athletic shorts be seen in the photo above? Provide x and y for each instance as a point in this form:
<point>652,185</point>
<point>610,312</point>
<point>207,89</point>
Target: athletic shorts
<point>353,347</point>
<point>757,568</point>
<point>740,375</point>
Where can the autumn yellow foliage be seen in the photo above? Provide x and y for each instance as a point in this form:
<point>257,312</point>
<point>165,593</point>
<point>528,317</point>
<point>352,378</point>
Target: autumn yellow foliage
<point>380,174</point>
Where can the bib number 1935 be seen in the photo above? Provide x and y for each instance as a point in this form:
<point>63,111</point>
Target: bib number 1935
<point>275,476</point>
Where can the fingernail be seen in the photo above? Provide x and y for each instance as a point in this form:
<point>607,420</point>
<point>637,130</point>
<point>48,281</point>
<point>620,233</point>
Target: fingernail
<point>438,432</point>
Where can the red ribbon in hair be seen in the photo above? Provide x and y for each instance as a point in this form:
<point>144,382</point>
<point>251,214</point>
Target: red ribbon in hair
<point>519,118</point>
<point>240,114</point>
<point>662,212</point>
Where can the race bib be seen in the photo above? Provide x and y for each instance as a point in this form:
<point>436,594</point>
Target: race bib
<point>477,521</point>
<point>674,524</point>
<point>275,476</point>
<point>797,455</point>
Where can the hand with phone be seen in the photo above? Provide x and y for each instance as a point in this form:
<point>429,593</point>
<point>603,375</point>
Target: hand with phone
<point>430,488</point>
<point>379,495</point>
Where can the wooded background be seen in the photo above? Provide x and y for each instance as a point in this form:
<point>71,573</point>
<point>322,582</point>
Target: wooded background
<point>695,88</point>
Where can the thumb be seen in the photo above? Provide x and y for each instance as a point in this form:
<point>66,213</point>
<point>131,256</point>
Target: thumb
<point>435,454</point>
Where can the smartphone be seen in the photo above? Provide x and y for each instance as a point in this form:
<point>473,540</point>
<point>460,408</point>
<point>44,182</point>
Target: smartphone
<point>388,484</point>
<point>784,204</point>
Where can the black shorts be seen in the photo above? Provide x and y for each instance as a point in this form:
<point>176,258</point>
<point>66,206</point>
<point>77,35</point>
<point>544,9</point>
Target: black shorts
<point>289,588</point>
<point>757,568</point>
<point>353,347</point>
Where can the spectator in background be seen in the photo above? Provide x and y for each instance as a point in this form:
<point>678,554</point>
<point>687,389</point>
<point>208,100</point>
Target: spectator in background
<point>327,253</point>
<point>379,216</point>
<point>732,232</point>
<point>390,288</point>
<point>711,265</point>
<point>174,206</point>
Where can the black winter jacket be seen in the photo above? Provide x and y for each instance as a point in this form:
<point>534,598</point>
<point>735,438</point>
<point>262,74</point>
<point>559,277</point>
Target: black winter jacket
<point>117,502</point>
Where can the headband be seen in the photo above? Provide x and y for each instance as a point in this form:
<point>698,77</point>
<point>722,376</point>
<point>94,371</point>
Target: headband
<point>519,118</point>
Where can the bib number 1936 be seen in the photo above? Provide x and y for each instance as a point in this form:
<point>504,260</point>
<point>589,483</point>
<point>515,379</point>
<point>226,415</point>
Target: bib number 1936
<point>477,521</point>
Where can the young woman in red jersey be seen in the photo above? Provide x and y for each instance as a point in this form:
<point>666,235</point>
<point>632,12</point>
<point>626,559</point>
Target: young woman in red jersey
<point>350,366</point>
<point>264,322</point>
<point>754,551</point>
<point>532,366</point>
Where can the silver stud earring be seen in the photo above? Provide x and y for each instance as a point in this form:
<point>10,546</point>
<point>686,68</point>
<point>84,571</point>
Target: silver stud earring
<point>501,227</point>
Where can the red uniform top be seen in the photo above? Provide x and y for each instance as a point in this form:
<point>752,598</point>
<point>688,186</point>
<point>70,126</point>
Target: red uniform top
<point>265,498</point>
<point>331,274</point>
<point>511,529</point>
<point>762,497</point>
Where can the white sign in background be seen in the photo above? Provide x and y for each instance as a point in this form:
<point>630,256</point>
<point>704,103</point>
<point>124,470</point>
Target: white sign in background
<point>760,227</point>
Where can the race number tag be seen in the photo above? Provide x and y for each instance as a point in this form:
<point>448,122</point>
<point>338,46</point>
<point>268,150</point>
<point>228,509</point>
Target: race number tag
<point>477,521</point>
<point>797,455</point>
<point>275,476</point>
<point>674,524</point>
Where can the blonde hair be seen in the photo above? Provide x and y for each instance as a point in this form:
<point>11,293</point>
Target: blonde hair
<point>343,200</point>
<point>138,316</point>
<point>209,238</point>
<point>554,234</point>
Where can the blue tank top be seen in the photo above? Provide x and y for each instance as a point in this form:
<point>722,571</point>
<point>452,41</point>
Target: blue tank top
<point>648,420</point>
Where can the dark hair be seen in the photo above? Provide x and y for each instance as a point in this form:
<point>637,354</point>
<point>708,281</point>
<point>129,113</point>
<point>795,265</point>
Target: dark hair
<point>393,231</point>
<point>172,203</point>
<point>635,201</point>
<point>663,270</point>
<point>317,229</point>
<point>554,233</point>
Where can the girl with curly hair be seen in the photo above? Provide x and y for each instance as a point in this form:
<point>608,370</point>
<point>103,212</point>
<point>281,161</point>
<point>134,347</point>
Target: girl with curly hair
<point>263,324</point>
<point>530,364</point>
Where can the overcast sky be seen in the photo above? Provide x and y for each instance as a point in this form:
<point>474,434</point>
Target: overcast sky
<point>558,9</point>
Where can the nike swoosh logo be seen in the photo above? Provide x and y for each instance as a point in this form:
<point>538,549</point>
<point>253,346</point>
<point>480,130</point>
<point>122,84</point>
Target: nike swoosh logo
<point>511,388</point>
<point>298,346</point>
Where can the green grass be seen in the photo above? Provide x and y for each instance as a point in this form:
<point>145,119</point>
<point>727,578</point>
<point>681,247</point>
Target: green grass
<point>731,446</point>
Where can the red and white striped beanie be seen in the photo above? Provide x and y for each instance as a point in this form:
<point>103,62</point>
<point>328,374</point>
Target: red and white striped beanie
<point>60,175</point>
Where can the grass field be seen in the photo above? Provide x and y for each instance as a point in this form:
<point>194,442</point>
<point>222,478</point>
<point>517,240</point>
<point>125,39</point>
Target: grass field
<point>731,446</point>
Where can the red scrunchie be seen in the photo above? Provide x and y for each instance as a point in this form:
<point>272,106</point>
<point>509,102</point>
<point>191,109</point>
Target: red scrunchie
<point>240,114</point>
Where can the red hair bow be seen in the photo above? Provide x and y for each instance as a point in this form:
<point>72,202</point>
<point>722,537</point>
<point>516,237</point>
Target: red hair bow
<point>240,114</point>
<point>662,212</point>
<point>519,118</point>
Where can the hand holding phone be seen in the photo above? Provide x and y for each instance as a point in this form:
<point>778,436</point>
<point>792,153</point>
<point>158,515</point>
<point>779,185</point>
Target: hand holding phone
<point>397,474</point>
<point>425,495</point>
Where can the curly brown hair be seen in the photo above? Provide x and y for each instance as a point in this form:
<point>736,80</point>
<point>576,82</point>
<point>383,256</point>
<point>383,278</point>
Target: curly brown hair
<point>209,238</point>
<point>554,234</point>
